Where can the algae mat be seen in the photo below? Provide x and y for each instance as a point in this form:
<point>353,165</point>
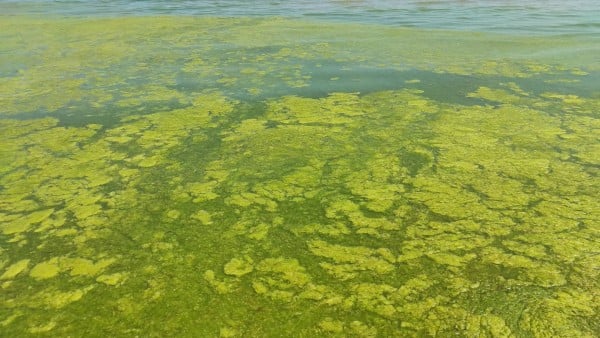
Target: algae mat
<point>198,177</point>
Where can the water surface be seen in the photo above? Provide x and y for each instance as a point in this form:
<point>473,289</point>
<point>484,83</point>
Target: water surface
<point>200,169</point>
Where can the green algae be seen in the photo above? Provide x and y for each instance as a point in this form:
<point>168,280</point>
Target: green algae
<point>382,213</point>
<point>45,270</point>
<point>15,269</point>
<point>330,325</point>
<point>350,260</point>
<point>238,267</point>
<point>112,279</point>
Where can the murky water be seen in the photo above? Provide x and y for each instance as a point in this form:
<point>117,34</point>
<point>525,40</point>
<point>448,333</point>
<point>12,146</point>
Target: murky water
<point>279,171</point>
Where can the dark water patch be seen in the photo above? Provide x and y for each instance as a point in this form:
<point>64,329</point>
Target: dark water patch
<point>413,161</point>
<point>562,83</point>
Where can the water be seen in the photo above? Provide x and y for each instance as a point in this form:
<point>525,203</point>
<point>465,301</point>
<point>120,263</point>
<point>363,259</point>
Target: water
<point>531,17</point>
<point>302,169</point>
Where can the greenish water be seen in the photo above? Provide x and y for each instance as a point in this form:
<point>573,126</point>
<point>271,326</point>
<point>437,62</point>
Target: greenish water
<point>193,176</point>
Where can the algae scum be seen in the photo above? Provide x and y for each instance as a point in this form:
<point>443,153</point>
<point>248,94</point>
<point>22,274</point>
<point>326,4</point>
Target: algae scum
<point>268,177</point>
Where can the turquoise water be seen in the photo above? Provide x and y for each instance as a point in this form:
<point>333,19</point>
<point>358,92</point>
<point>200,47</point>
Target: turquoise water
<point>299,169</point>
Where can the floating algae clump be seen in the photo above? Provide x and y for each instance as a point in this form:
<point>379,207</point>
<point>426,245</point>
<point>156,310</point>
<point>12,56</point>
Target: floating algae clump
<point>112,279</point>
<point>203,216</point>
<point>331,325</point>
<point>349,260</point>
<point>59,299</point>
<point>238,267</point>
<point>25,223</point>
<point>286,272</point>
<point>45,270</point>
<point>15,269</point>
<point>86,267</point>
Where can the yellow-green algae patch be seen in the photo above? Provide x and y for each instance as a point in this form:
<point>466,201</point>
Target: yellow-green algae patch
<point>112,279</point>
<point>349,260</point>
<point>15,269</point>
<point>238,267</point>
<point>45,270</point>
<point>25,223</point>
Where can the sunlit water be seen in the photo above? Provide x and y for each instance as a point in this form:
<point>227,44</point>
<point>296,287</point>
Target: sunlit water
<point>299,169</point>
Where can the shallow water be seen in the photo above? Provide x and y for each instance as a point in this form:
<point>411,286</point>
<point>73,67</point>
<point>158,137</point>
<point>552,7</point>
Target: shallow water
<point>261,174</point>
